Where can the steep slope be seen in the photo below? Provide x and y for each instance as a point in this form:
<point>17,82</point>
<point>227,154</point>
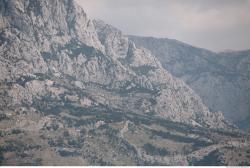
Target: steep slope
<point>222,80</point>
<point>63,43</point>
<point>74,95</point>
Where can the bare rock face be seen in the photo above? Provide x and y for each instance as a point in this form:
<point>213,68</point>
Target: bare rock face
<point>68,85</point>
<point>222,80</point>
<point>152,75</point>
<point>47,22</point>
<point>57,39</point>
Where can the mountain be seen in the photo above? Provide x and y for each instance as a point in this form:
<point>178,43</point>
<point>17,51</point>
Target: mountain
<point>222,80</point>
<point>78,92</point>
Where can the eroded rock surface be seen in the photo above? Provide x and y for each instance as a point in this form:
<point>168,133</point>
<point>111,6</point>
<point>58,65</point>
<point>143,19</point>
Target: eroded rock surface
<point>69,85</point>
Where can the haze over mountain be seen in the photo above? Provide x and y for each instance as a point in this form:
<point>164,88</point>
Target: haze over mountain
<point>222,80</point>
<point>214,25</point>
<point>77,92</point>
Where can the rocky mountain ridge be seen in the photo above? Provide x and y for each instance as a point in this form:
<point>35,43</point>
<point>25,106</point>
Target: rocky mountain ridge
<point>220,79</point>
<point>81,93</point>
<point>59,49</point>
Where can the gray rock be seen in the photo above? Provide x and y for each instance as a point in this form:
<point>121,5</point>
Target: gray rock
<point>68,88</point>
<point>222,80</point>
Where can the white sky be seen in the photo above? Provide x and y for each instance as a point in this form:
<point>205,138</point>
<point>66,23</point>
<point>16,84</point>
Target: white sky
<point>213,24</point>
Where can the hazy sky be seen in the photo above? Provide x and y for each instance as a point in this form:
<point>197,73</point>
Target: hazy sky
<point>211,24</point>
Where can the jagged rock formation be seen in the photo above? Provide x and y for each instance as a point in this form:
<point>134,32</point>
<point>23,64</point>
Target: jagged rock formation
<point>65,44</point>
<point>222,80</point>
<point>69,87</point>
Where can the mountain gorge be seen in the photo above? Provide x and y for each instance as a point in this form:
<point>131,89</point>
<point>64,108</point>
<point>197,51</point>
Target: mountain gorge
<point>222,80</point>
<point>77,92</point>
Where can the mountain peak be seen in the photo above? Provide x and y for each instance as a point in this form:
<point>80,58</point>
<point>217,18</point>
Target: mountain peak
<point>67,43</point>
<point>57,19</point>
<point>84,94</point>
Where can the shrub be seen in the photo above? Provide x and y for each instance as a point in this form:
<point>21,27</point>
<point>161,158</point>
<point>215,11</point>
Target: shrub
<point>152,150</point>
